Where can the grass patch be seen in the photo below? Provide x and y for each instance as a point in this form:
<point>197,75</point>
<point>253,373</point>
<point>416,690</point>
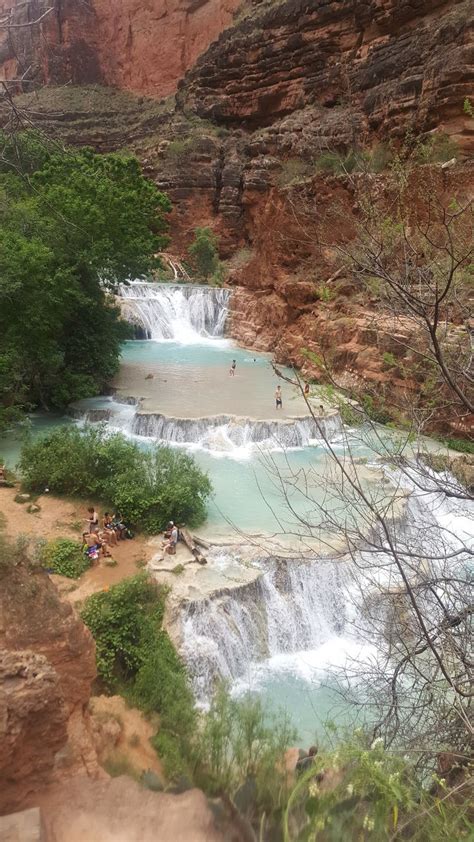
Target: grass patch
<point>64,557</point>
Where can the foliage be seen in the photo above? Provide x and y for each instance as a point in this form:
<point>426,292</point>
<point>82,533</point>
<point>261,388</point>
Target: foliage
<point>293,171</point>
<point>135,656</point>
<point>65,557</point>
<point>389,360</point>
<point>437,148</point>
<point>337,163</point>
<point>72,224</point>
<point>204,253</point>
<point>324,293</point>
<point>461,445</point>
<point>364,792</point>
<point>468,108</point>
<point>148,488</point>
<point>375,409</point>
<point>240,744</point>
<point>349,414</point>
<point>178,150</point>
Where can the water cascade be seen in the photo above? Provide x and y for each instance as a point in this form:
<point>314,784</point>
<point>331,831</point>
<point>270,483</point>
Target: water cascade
<point>181,312</point>
<point>224,433</point>
<point>291,607</point>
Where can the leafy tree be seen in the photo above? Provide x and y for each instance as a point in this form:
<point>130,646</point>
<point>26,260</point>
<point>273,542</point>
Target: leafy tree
<point>148,488</point>
<point>72,225</point>
<point>204,253</point>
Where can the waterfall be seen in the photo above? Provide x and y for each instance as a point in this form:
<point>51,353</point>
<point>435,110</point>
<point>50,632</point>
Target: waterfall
<point>225,433</point>
<point>291,607</point>
<point>181,312</point>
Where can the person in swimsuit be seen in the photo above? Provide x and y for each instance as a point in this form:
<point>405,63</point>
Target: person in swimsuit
<point>109,529</point>
<point>232,368</point>
<point>278,398</point>
<point>93,519</point>
<point>306,389</point>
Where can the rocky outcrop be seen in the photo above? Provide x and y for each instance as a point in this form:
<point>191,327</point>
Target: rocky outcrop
<point>33,725</point>
<point>358,69</point>
<point>142,47</point>
<point>119,809</point>
<point>48,665</point>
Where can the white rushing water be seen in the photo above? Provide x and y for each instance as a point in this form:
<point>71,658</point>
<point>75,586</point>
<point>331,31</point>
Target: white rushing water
<point>291,607</point>
<point>300,621</point>
<point>234,436</point>
<point>180,312</point>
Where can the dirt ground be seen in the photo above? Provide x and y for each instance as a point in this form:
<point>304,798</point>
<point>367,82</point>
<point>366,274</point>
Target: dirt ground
<point>125,747</point>
<point>65,518</point>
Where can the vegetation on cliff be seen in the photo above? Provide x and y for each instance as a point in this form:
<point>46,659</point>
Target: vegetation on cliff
<point>147,487</point>
<point>72,225</point>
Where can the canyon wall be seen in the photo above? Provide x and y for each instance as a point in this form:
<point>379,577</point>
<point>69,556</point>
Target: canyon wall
<point>144,47</point>
<point>239,148</point>
<point>47,665</point>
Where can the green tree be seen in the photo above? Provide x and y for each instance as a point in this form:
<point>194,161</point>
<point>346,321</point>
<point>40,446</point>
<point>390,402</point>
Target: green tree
<point>148,487</point>
<point>204,252</point>
<point>72,226</point>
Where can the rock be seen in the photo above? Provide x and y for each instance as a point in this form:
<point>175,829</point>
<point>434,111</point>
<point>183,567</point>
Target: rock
<point>119,808</point>
<point>149,377</point>
<point>33,509</point>
<point>22,498</point>
<point>143,47</point>
<point>59,662</point>
<point>33,725</point>
<point>26,826</point>
<point>151,780</point>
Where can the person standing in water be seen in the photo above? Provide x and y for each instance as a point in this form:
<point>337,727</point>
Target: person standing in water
<point>278,399</point>
<point>232,368</point>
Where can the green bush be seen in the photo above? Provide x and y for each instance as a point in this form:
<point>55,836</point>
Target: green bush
<point>461,445</point>
<point>136,657</point>
<point>148,488</point>
<point>373,794</point>
<point>294,170</point>
<point>240,743</point>
<point>204,253</point>
<point>65,557</point>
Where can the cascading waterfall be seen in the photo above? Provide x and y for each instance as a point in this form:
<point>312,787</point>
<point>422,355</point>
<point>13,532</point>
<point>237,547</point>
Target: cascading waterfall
<point>181,312</point>
<point>290,607</point>
<point>224,433</point>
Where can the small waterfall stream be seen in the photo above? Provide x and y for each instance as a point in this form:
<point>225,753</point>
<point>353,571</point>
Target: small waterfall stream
<point>181,312</point>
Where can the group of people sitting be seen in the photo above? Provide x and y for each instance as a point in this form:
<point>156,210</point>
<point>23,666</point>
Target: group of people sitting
<point>99,539</point>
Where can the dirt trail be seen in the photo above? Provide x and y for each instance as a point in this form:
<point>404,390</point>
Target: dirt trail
<point>63,518</point>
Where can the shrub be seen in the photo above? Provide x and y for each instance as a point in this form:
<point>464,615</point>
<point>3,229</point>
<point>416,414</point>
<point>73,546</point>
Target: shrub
<point>204,253</point>
<point>65,557</point>
<point>148,488</point>
<point>293,171</point>
<point>239,744</point>
<point>460,445</point>
<point>135,656</point>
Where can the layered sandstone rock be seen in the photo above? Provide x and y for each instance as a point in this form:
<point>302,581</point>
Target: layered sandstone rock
<point>48,665</point>
<point>371,67</point>
<point>142,47</point>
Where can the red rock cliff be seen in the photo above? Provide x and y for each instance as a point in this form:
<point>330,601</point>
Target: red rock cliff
<point>139,46</point>
<point>47,665</point>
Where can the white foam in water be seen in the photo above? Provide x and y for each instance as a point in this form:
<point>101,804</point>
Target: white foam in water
<point>311,665</point>
<point>178,312</point>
